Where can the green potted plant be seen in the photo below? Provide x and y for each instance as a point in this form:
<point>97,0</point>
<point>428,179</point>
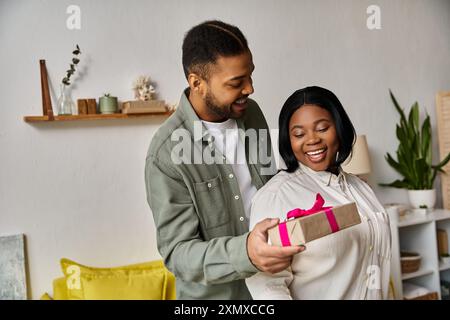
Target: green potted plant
<point>414,158</point>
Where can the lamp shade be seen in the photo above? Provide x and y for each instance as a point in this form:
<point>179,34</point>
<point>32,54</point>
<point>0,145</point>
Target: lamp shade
<point>359,162</point>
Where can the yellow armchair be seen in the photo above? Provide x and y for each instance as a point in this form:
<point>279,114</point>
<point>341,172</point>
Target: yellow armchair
<point>144,281</point>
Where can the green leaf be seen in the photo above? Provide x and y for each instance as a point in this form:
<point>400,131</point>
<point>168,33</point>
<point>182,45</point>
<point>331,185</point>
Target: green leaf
<point>406,160</point>
<point>441,164</point>
<point>75,60</point>
<point>414,117</point>
<point>440,170</point>
<point>400,133</point>
<point>396,184</point>
<point>426,139</point>
<point>422,174</point>
<point>394,164</point>
<point>76,52</point>
<point>412,134</point>
<point>432,177</point>
<point>414,123</point>
<point>397,106</point>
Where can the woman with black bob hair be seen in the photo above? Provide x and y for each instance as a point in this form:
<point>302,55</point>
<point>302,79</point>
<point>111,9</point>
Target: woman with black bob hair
<point>324,99</point>
<point>316,136</point>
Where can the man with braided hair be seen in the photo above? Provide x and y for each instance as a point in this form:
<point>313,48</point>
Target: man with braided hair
<point>201,208</point>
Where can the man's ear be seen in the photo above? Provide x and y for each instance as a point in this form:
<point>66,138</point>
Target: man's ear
<point>196,84</point>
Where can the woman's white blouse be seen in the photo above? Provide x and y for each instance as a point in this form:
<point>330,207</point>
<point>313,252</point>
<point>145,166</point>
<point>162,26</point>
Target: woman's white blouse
<point>353,263</point>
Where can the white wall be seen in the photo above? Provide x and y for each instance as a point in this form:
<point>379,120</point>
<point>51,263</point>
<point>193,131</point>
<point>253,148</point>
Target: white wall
<point>77,189</point>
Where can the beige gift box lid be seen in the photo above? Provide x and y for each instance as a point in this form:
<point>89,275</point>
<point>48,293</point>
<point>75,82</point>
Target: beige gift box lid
<point>144,106</point>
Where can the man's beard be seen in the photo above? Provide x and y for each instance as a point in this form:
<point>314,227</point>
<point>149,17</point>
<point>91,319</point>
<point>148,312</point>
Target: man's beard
<point>223,112</point>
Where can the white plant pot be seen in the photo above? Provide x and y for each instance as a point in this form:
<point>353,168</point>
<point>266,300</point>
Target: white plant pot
<point>445,260</point>
<point>422,198</point>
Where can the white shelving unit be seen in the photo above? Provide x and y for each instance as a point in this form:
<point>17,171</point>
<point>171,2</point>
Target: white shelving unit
<point>416,232</point>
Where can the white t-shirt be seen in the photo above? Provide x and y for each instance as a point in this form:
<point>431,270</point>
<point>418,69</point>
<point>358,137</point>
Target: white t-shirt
<point>227,141</point>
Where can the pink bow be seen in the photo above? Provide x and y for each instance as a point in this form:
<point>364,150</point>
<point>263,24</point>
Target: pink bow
<point>317,207</point>
<point>297,213</point>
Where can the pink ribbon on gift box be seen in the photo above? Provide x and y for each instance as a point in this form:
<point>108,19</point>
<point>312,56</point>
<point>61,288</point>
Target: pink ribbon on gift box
<point>298,213</point>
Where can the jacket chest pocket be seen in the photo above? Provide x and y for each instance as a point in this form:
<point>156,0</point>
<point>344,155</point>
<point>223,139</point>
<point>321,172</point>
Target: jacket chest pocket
<point>211,203</point>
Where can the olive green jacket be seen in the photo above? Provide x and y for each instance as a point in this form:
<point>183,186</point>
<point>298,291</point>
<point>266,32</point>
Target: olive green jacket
<point>197,207</point>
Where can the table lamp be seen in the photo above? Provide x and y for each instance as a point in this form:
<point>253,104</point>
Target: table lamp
<point>359,162</point>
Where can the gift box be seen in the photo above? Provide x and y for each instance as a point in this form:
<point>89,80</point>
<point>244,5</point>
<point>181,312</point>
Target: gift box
<point>303,226</point>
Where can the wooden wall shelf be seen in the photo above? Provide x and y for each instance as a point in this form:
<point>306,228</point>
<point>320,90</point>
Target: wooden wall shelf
<point>48,116</point>
<point>93,117</point>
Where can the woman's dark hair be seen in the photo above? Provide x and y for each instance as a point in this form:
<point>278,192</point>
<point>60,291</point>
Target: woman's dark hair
<point>324,99</point>
<point>204,43</point>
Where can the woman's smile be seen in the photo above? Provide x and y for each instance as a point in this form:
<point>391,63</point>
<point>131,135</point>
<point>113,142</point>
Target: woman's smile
<point>317,155</point>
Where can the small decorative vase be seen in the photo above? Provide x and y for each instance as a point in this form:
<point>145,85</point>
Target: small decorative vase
<point>108,104</point>
<point>65,102</point>
<point>422,199</point>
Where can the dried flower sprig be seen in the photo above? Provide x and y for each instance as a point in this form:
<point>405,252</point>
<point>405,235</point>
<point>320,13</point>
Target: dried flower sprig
<point>71,71</point>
